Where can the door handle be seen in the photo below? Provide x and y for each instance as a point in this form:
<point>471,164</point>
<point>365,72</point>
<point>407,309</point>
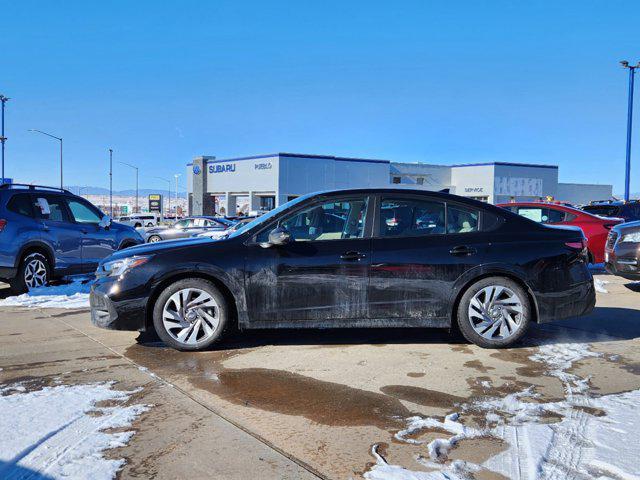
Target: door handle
<point>462,250</point>
<point>351,256</point>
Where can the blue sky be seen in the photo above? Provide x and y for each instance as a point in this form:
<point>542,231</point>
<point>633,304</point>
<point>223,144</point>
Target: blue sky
<point>440,82</point>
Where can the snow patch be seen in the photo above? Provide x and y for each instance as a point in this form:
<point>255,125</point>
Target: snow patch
<point>58,432</point>
<point>599,285</point>
<point>72,295</point>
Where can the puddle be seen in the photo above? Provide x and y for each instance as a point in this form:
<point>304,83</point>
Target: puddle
<point>528,367</point>
<point>478,365</point>
<point>278,391</point>
<point>416,374</point>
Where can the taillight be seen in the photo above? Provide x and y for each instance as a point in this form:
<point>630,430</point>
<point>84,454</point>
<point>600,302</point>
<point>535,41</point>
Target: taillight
<point>581,245</point>
<point>3,223</point>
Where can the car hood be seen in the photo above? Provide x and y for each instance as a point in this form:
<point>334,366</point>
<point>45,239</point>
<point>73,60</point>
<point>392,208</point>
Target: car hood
<point>151,248</point>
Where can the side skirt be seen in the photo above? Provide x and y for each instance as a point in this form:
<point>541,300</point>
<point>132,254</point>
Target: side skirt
<point>354,323</point>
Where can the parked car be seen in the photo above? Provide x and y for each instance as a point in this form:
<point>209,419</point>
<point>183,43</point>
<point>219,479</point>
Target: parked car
<point>595,228</point>
<point>47,233</point>
<point>488,270</point>
<point>622,256</point>
<point>629,211</point>
<point>220,234</point>
<point>187,227</point>
<point>138,220</point>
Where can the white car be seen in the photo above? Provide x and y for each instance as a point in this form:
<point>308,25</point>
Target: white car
<point>220,234</point>
<point>138,220</point>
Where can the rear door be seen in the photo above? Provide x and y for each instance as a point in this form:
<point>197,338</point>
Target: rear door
<point>62,234</point>
<point>97,242</point>
<point>421,246</point>
<point>320,277</point>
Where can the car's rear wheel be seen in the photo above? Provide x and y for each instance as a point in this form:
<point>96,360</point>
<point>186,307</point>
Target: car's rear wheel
<point>190,314</point>
<point>154,239</point>
<point>494,312</point>
<point>34,271</point>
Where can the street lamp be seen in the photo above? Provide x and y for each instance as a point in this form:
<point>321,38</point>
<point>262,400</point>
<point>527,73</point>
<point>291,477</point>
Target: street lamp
<point>3,139</point>
<point>169,182</point>
<point>627,175</point>
<point>176,177</point>
<point>60,140</point>
<point>136,169</point>
<point>111,182</point>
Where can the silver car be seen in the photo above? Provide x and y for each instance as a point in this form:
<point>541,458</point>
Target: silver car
<point>187,227</point>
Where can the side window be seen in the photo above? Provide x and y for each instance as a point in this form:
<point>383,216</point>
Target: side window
<point>532,213</point>
<point>83,212</point>
<point>21,204</point>
<point>200,222</point>
<point>407,217</point>
<point>555,216</point>
<point>181,224</point>
<point>462,220</point>
<point>332,220</point>
<point>57,209</point>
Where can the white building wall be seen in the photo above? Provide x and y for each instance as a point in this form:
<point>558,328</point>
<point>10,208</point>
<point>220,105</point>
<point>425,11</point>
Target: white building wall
<point>434,177</point>
<point>473,181</point>
<point>582,193</point>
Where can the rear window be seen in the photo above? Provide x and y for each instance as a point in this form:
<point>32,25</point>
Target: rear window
<point>21,204</point>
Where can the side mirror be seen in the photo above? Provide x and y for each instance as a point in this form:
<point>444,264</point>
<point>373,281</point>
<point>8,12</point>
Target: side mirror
<point>105,222</point>
<point>44,206</point>
<point>278,236</point>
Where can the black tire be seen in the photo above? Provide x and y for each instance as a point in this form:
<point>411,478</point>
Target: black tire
<point>154,238</point>
<point>222,314</point>
<point>137,225</point>
<point>465,322</point>
<point>20,284</point>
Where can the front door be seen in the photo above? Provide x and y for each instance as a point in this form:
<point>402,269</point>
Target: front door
<point>320,277</point>
<point>420,248</point>
<point>62,234</point>
<point>97,242</point>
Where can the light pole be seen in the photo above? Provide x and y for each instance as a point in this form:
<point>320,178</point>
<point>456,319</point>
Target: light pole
<point>627,173</point>
<point>60,140</point>
<point>136,169</point>
<point>111,182</point>
<point>168,181</point>
<point>3,139</point>
<point>176,177</point>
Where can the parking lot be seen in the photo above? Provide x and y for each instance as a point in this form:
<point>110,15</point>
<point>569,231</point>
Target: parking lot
<point>346,403</point>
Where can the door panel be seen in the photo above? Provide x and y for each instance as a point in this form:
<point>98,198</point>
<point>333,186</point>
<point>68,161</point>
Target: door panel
<point>64,236</point>
<point>321,276</point>
<point>414,263</point>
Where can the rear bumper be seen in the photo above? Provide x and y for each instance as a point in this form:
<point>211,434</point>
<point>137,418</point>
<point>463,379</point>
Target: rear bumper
<point>111,310</point>
<point>574,302</point>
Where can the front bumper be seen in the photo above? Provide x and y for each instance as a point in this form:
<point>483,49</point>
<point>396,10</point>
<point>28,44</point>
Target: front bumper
<point>114,306</point>
<point>624,261</point>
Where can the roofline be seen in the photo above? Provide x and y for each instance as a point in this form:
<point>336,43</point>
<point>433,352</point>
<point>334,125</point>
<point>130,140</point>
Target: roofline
<point>506,164</point>
<point>295,155</point>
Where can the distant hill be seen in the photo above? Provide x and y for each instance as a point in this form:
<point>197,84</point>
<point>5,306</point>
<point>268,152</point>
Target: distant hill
<point>143,192</point>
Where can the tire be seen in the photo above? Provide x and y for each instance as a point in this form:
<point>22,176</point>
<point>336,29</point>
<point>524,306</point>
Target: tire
<point>198,328</point>
<point>154,239</point>
<point>137,225</point>
<point>34,271</point>
<point>491,324</point>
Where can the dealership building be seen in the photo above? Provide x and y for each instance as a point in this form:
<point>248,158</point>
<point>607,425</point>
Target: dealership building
<point>262,182</point>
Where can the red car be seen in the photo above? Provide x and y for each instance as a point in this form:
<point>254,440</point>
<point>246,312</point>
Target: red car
<point>595,228</point>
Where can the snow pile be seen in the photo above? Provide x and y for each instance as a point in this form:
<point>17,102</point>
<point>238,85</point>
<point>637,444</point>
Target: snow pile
<point>58,432</point>
<point>595,437</point>
<point>599,285</point>
<point>70,295</point>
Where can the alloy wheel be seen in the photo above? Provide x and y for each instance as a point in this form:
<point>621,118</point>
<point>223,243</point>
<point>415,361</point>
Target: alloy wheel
<point>495,312</point>
<point>191,316</point>
<point>35,273</point>
<point>154,239</point>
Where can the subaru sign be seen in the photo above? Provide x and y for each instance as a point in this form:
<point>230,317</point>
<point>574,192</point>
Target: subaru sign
<point>196,169</point>
<point>228,167</point>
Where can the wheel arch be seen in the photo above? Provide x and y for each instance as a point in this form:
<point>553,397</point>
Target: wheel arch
<point>228,294</point>
<point>37,247</point>
<point>468,281</point>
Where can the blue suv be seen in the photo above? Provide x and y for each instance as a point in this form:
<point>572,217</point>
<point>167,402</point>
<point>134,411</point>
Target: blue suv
<point>47,233</point>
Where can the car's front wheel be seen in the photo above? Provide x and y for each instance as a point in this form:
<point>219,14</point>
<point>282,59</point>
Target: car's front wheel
<point>34,271</point>
<point>190,314</point>
<point>494,312</point>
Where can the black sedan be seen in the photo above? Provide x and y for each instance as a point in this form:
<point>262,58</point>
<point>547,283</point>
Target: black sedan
<point>353,258</point>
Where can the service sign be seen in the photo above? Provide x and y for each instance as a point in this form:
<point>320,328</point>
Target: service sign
<point>155,202</point>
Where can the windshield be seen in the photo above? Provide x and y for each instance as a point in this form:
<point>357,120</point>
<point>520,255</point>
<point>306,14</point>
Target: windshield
<point>268,216</point>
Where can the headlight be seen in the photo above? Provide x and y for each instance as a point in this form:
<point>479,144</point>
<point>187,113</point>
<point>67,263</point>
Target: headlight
<point>631,237</point>
<point>116,268</point>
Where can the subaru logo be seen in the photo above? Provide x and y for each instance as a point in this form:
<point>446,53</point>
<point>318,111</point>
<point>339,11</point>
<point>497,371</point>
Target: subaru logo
<point>196,169</point>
